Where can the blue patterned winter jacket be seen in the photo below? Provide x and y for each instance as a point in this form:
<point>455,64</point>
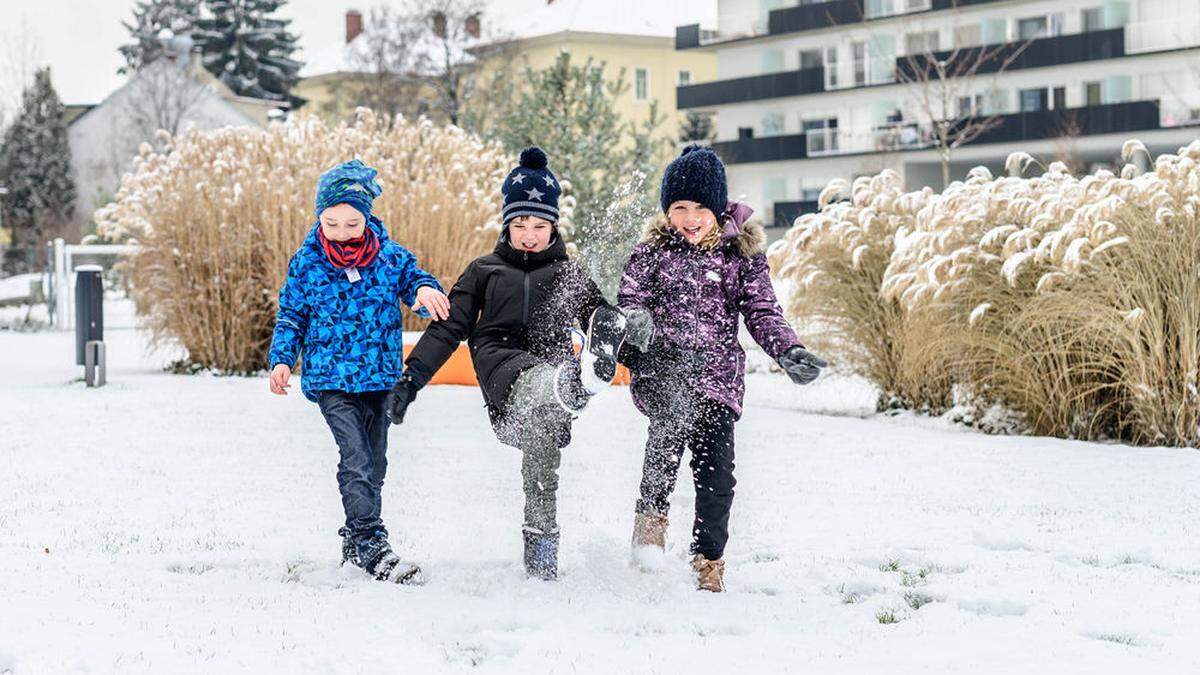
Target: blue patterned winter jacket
<point>351,333</point>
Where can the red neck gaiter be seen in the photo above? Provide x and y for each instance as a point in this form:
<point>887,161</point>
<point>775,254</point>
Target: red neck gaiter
<point>352,252</point>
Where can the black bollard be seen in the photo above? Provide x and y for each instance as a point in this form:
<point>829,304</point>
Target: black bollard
<point>89,309</point>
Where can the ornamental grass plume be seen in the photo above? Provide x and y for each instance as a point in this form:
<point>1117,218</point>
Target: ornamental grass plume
<point>219,213</point>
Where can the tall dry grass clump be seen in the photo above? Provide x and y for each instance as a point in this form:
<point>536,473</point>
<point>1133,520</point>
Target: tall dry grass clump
<point>219,213</point>
<point>1074,302</point>
<point>832,264</point>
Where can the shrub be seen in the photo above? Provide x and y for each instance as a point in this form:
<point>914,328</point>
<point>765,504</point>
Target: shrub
<point>219,213</point>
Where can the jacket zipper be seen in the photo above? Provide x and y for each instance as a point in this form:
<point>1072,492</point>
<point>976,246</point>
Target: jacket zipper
<point>525,303</point>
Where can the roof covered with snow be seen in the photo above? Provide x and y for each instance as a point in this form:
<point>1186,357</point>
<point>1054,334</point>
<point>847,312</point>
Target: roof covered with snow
<point>506,20</point>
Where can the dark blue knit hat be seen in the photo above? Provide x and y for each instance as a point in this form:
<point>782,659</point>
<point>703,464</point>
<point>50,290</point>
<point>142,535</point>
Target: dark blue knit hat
<point>531,190</point>
<point>696,175</point>
<point>350,183</point>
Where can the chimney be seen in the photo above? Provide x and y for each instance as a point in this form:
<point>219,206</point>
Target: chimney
<point>472,26</point>
<point>354,25</point>
<point>439,24</point>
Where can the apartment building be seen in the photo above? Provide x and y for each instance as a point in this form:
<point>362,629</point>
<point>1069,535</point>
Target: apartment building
<point>813,91</point>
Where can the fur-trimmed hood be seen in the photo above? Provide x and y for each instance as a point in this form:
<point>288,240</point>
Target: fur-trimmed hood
<point>748,236</point>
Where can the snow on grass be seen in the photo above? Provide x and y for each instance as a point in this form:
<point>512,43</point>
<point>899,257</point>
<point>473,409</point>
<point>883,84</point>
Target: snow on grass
<point>170,523</point>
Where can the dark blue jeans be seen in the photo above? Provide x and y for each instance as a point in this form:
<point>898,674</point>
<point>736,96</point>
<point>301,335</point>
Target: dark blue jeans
<point>359,427</point>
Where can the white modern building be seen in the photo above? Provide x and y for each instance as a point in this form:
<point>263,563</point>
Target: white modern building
<point>811,91</point>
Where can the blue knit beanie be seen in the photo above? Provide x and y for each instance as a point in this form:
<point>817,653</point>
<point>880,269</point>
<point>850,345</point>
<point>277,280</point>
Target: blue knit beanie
<point>531,189</point>
<point>696,175</point>
<point>350,183</point>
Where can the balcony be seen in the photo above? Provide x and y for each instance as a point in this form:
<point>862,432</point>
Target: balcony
<point>815,17</point>
<point>1109,118</point>
<point>753,88</point>
<point>1040,53</point>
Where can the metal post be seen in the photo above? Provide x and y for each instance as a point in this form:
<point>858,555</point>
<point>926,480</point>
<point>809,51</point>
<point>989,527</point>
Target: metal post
<point>89,309</point>
<point>61,291</point>
<point>95,368</point>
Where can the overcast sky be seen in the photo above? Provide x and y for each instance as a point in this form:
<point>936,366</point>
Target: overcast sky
<point>79,39</point>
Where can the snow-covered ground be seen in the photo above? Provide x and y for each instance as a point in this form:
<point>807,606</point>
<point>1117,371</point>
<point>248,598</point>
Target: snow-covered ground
<point>170,523</point>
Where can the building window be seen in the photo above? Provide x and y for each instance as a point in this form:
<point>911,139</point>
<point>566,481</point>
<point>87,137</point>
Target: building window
<point>1033,100</point>
<point>1093,93</point>
<point>969,106</point>
<point>1093,19</point>
<point>810,58</point>
<point>1033,28</point>
<point>921,43</point>
<point>685,78</point>
<point>1060,98</point>
<point>858,51</point>
<point>968,36</point>
<point>820,135</point>
<point>641,84</point>
<point>772,124</point>
<point>831,67</point>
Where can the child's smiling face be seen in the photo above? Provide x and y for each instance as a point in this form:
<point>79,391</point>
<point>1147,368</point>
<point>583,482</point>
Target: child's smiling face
<point>342,222</point>
<point>692,220</point>
<point>529,234</point>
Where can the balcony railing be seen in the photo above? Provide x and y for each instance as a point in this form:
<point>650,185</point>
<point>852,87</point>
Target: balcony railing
<point>1040,53</point>
<point>1109,118</point>
<point>1043,52</point>
<point>753,88</point>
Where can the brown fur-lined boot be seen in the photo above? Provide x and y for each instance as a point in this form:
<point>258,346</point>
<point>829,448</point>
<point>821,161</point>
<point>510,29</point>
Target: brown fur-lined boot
<point>649,529</point>
<point>710,574</point>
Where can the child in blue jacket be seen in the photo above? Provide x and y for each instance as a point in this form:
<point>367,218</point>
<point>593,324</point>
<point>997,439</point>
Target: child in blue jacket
<point>340,305</point>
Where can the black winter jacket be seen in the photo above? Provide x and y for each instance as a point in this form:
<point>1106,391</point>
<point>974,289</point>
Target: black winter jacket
<point>515,310</point>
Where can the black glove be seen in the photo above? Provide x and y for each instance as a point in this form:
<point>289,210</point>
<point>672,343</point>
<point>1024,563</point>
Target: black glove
<point>402,393</point>
<point>639,328</point>
<point>801,365</point>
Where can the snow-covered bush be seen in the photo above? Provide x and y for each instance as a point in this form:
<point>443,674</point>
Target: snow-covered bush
<point>219,213</point>
<point>1074,302</point>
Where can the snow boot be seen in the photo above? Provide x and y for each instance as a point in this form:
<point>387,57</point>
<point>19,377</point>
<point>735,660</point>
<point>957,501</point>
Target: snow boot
<point>649,530</point>
<point>710,574</point>
<point>375,555</point>
<point>569,391</point>
<point>598,358</point>
<point>541,554</point>
<point>349,552</point>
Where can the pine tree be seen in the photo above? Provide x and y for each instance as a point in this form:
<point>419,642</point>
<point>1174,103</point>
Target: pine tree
<point>612,164</point>
<point>697,127</point>
<point>35,166</point>
<point>248,49</point>
<point>150,19</point>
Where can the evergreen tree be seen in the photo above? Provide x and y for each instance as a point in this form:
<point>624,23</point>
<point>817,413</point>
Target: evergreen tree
<point>35,166</point>
<point>697,127</point>
<point>150,19</point>
<point>248,49</point>
<point>613,165</point>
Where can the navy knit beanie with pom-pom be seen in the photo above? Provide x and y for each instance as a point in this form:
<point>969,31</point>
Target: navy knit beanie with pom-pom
<point>531,189</point>
<point>696,175</point>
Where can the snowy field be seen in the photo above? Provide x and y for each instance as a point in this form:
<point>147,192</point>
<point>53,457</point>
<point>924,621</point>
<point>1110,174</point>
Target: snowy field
<point>175,524</point>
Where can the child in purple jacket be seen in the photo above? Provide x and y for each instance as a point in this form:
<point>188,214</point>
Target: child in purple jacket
<point>696,270</point>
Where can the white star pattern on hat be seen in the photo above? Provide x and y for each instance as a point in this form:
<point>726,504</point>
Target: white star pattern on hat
<point>549,181</point>
<point>534,194</point>
<point>518,179</point>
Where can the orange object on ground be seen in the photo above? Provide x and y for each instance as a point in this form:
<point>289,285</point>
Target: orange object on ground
<point>458,369</point>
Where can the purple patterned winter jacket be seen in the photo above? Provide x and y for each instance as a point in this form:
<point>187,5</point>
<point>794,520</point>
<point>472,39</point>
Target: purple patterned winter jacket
<point>695,296</point>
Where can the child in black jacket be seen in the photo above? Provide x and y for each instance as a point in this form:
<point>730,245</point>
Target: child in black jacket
<point>515,307</point>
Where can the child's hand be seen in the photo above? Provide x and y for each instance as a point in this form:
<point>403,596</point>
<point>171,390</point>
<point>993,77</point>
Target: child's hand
<point>279,379</point>
<point>802,365</point>
<point>433,300</point>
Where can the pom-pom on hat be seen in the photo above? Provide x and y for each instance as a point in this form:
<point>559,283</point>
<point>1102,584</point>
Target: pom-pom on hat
<point>531,189</point>
<point>350,183</point>
<point>696,175</point>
